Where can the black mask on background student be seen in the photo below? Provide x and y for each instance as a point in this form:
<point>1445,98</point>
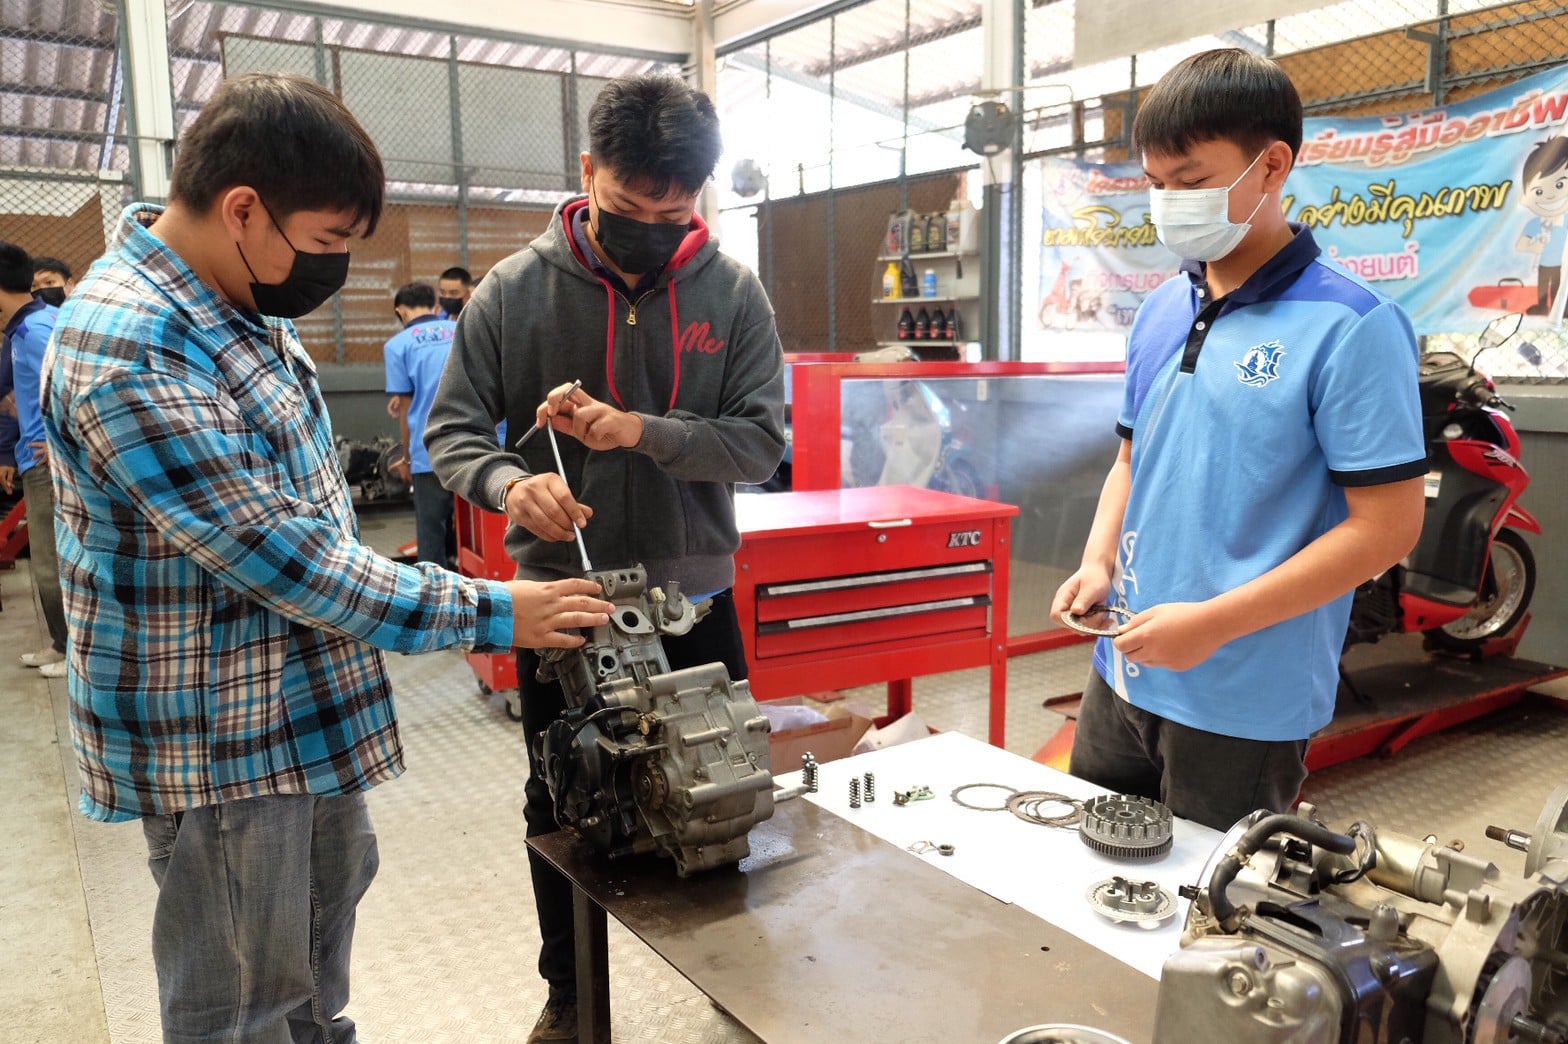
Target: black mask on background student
<point>51,295</point>
<point>451,305</point>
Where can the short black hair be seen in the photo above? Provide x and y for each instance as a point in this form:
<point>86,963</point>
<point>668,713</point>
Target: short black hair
<point>288,138</point>
<point>654,131</point>
<point>462,275</point>
<point>16,269</point>
<point>1226,94</point>
<point>52,264</point>
<point>415,295</point>
<point>1547,156</point>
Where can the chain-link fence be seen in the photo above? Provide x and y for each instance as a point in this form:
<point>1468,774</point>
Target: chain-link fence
<point>480,136</point>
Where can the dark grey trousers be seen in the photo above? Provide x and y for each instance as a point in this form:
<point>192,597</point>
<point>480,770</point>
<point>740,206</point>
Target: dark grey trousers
<point>1202,776</point>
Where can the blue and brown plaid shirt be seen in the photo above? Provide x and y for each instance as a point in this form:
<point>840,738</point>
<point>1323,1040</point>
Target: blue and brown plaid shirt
<point>222,609</point>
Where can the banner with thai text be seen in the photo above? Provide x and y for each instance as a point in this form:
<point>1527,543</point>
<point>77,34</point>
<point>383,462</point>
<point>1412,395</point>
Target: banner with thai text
<point>1455,212</point>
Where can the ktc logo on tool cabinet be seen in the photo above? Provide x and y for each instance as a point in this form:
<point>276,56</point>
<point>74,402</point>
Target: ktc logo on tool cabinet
<point>964,538</point>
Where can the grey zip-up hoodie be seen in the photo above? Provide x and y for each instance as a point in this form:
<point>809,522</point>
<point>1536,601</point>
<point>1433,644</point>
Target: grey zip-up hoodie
<point>697,356</point>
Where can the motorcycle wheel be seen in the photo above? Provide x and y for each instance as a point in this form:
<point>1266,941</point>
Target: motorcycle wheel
<point>1511,578</point>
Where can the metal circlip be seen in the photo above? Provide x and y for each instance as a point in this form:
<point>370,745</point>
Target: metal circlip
<point>961,803</point>
<point>1079,621</point>
<point>1027,805</point>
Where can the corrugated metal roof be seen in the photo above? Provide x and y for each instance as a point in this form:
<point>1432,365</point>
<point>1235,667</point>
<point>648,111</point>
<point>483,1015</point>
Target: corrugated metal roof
<point>59,101</point>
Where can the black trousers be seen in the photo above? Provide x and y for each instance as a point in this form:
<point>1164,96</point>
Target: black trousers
<point>1202,776</point>
<point>715,639</point>
<point>434,527</point>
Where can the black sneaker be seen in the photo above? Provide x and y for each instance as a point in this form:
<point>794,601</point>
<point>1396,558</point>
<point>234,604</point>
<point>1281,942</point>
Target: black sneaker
<point>557,1022</point>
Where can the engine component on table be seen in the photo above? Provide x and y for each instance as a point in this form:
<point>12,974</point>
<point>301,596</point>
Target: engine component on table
<point>854,791</point>
<point>1299,933</point>
<point>649,759</point>
<point>1125,826</point>
<point>808,771</point>
<point>1061,1033</point>
<point>869,788</point>
<point>1143,903</point>
<point>920,792</point>
<point>1031,806</point>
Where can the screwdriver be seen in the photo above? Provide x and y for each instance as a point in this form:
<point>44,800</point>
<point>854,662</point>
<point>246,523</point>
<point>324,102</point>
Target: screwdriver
<point>520,443</point>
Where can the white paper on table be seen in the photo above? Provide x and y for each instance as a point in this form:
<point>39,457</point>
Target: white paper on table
<point>1045,870</point>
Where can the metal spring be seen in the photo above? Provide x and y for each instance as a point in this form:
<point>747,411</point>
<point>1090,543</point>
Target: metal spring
<point>854,792</point>
<point>870,788</point>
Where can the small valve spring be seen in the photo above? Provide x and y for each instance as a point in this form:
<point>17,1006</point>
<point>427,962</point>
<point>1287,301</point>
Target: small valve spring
<point>870,788</point>
<point>854,792</point>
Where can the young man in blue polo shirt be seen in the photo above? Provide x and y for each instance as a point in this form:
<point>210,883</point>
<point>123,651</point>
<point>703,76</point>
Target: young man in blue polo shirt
<point>1271,461</point>
<point>414,360</point>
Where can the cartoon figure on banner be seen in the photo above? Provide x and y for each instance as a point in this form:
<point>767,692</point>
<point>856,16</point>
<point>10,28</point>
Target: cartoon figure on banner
<point>1068,299</point>
<point>1545,194</point>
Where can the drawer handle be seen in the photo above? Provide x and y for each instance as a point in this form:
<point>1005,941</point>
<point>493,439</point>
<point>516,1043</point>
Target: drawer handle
<point>895,523</point>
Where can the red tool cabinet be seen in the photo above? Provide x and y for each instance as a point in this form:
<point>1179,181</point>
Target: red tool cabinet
<point>481,553</point>
<point>844,587</point>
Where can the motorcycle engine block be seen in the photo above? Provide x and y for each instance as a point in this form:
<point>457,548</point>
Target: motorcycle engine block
<point>1300,934</point>
<point>646,759</point>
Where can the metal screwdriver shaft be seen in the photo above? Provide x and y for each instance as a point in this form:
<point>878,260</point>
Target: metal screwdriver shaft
<point>520,443</point>
<point>560,468</point>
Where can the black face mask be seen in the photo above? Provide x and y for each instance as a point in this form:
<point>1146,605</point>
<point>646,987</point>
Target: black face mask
<point>51,295</point>
<point>451,305</point>
<point>311,280</point>
<point>638,247</point>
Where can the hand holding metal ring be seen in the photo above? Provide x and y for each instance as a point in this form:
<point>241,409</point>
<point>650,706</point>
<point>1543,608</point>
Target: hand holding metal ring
<point>1101,620</point>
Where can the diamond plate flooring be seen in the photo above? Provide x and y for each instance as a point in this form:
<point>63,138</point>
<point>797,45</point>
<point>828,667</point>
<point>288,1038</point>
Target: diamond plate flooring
<point>445,945</point>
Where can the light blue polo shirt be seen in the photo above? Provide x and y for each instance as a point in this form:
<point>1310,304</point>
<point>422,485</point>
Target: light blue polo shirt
<point>415,359</point>
<point>1248,416</point>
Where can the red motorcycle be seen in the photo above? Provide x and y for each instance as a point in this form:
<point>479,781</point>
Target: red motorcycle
<point>1471,575</point>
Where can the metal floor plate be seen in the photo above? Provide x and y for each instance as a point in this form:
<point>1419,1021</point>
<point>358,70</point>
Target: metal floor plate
<point>445,946</point>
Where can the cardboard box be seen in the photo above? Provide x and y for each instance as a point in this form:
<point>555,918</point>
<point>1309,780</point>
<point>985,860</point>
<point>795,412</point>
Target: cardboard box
<point>827,741</point>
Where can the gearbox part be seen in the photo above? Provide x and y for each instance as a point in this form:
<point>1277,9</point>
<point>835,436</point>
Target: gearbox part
<point>1034,806</point>
<point>1126,826</point>
<point>649,759</point>
<point>1124,900</point>
<point>1061,1033</point>
<point>961,803</point>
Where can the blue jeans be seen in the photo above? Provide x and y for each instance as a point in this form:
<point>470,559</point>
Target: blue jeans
<point>255,917</point>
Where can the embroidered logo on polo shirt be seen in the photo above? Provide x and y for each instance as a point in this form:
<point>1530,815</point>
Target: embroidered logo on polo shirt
<point>1261,364</point>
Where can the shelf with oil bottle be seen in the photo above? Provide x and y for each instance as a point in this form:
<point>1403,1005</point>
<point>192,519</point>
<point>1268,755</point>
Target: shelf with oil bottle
<point>931,294</point>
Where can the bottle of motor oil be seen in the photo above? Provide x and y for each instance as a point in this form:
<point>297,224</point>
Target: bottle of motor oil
<point>955,327</point>
<point>936,233</point>
<point>938,326</point>
<point>922,325</point>
<point>928,283</point>
<point>906,326</point>
<point>917,234</point>
<point>891,278</point>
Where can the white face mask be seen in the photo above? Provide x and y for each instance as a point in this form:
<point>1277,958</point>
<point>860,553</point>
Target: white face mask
<point>1195,223</point>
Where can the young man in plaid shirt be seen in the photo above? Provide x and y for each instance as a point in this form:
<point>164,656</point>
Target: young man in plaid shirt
<point>225,619</point>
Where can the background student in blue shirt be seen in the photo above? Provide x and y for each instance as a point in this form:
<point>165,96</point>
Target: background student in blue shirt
<point>414,361</point>
<point>1272,460</point>
<point>28,321</point>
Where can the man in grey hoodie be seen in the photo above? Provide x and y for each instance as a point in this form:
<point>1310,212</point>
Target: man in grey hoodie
<point>682,397</point>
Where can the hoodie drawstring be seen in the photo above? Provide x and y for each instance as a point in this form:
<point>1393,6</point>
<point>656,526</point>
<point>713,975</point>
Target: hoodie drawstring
<point>675,341</point>
<point>609,342</point>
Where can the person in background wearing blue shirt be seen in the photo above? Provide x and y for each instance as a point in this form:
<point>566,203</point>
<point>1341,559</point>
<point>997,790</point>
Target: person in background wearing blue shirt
<point>28,322</point>
<point>414,360</point>
<point>226,683</point>
<point>456,288</point>
<point>1271,461</point>
<point>52,280</point>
